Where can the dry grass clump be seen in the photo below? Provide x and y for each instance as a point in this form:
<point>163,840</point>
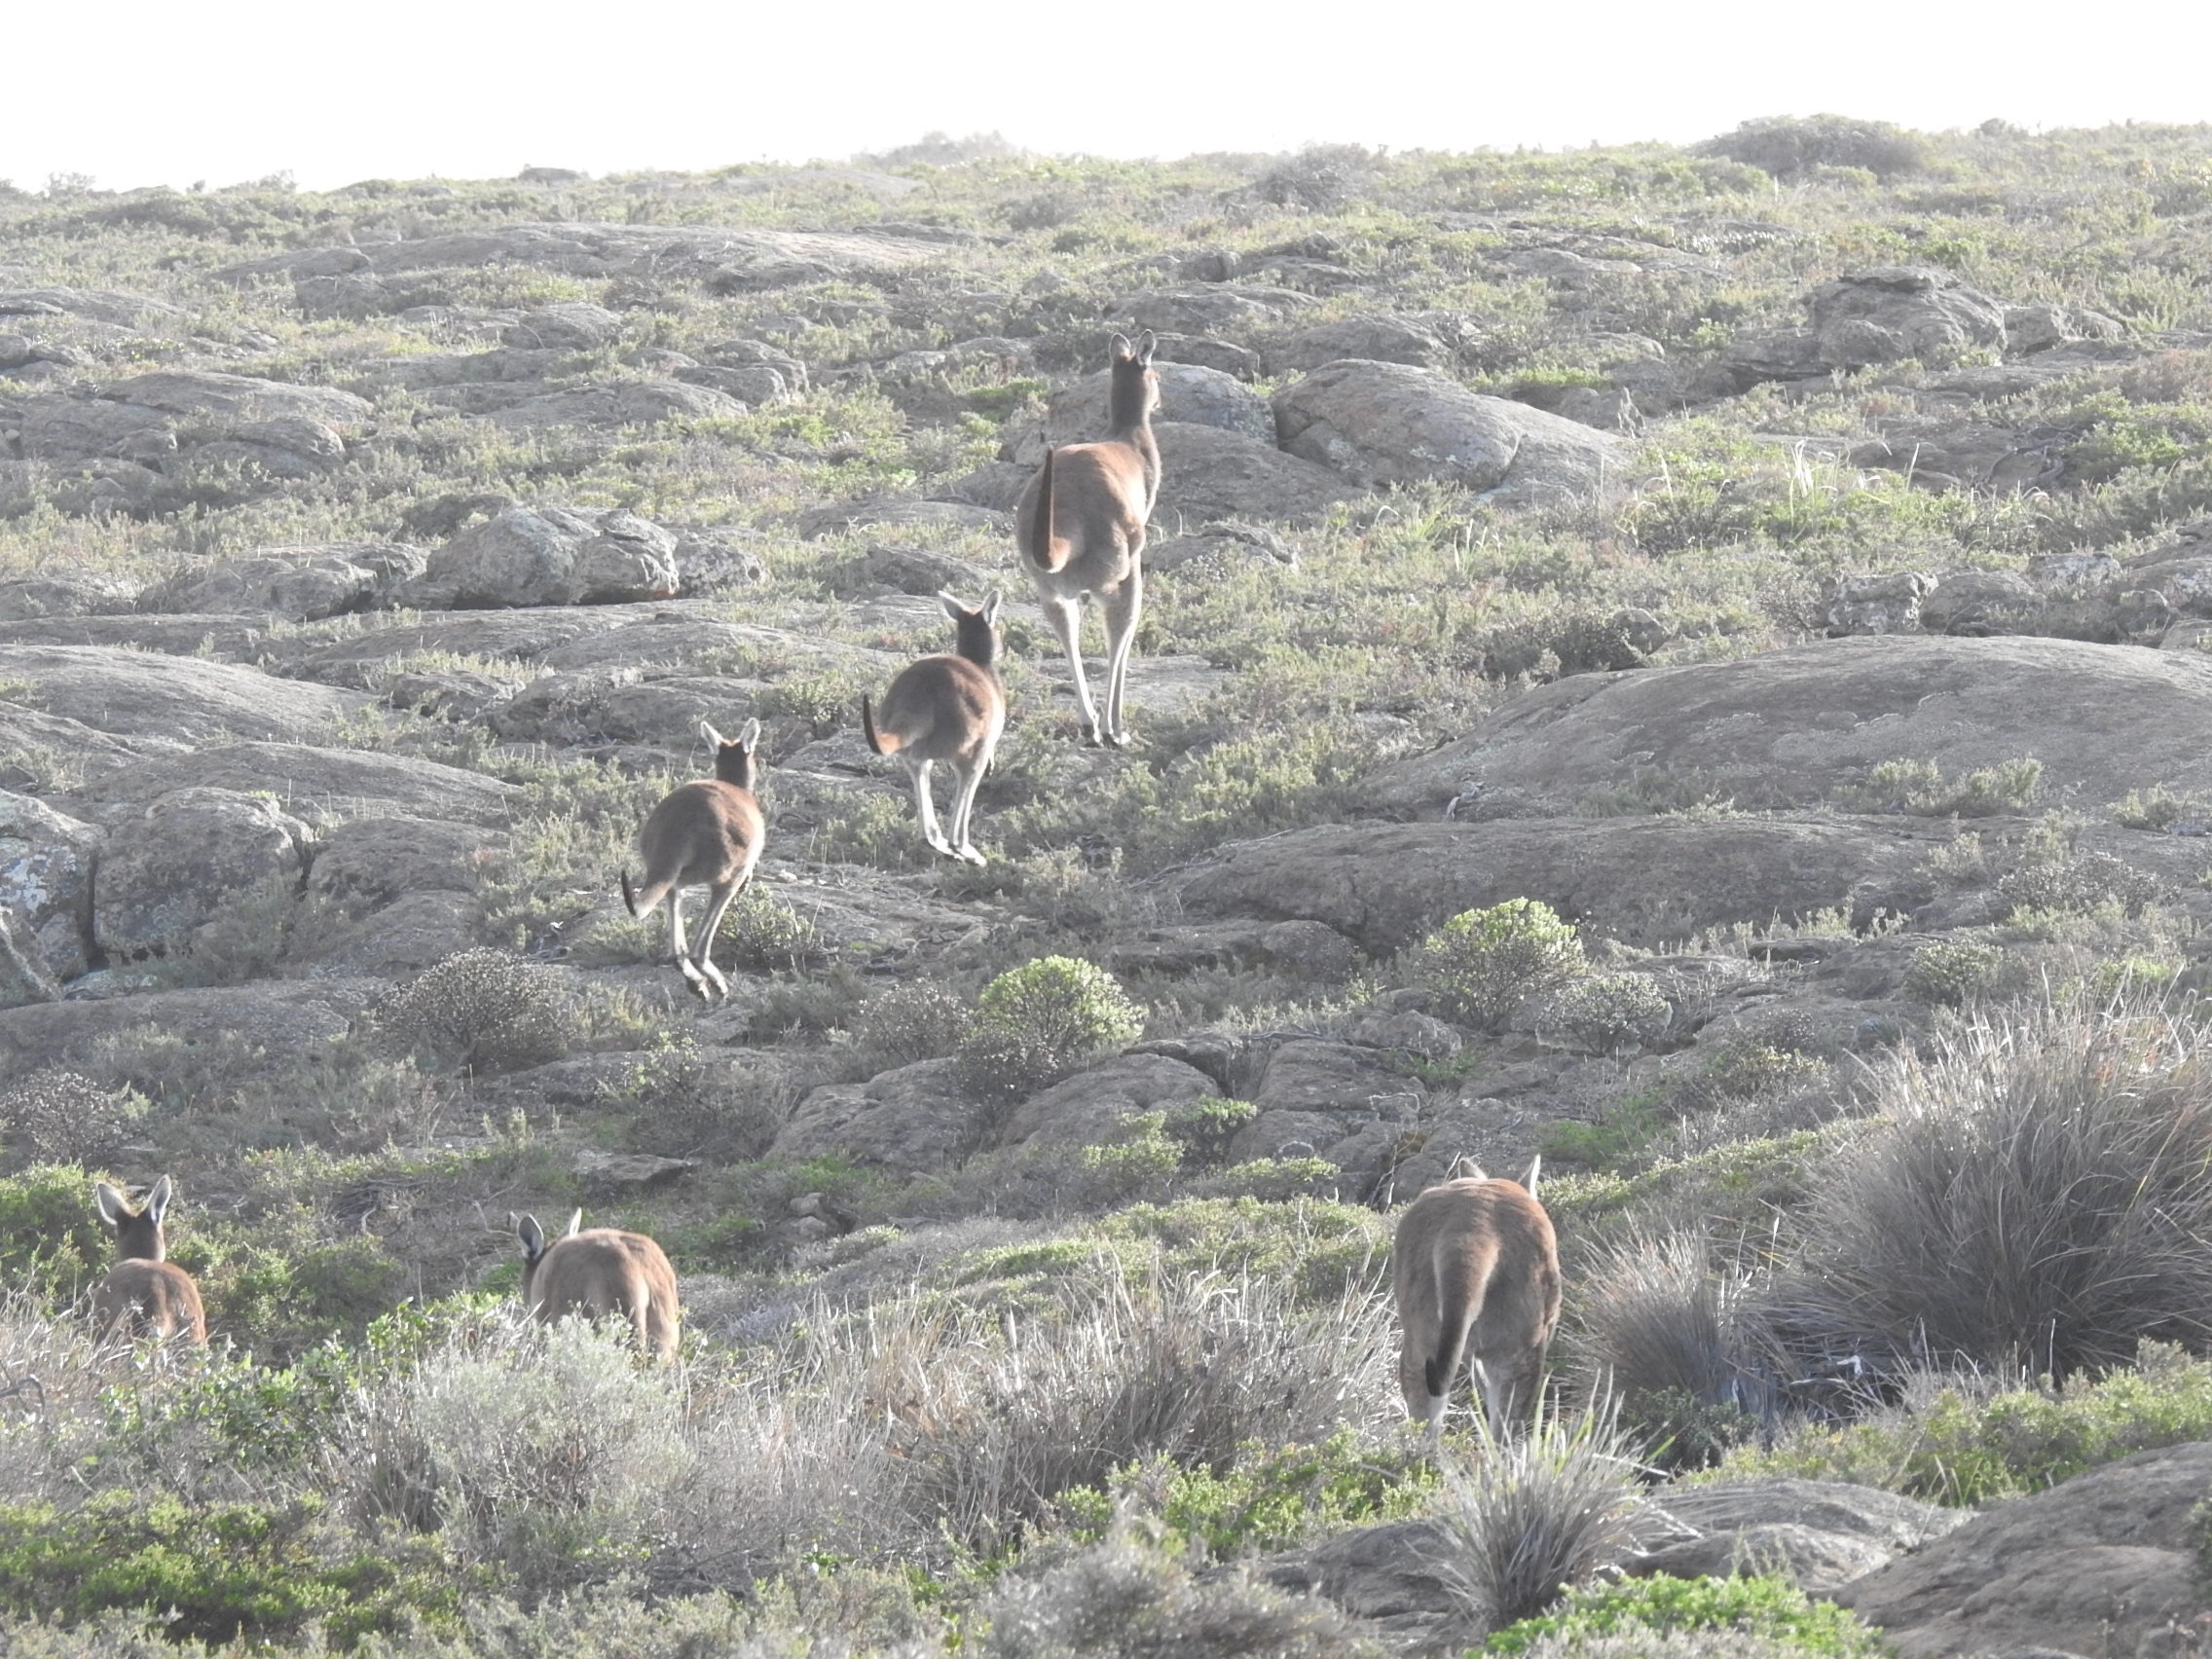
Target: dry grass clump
<point>2039,1197</point>
<point>1537,1514</point>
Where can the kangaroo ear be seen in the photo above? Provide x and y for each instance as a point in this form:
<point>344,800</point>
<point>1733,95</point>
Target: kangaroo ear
<point>1535,1164</point>
<point>1147,343</point>
<point>991,609</point>
<point>747,740</point>
<point>1122,348</point>
<point>575,1221</point>
<point>114,1207</point>
<point>158,1202</point>
<point>715,739</point>
<point>953,608</point>
<point>531,1235</point>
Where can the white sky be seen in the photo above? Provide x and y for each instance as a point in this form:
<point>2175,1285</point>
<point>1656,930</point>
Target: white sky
<point>136,92</point>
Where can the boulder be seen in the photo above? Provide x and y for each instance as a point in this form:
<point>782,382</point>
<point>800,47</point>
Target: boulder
<point>912,1121</point>
<point>1894,311</point>
<point>1887,604</point>
<point>1643,881</point>
<point>368,862</point>
<point>571,326</point>
<point>302,584</point>
<point>2100,1564</point>
<point>1798,726</point>
<point>47,863</point>
<point>1820,1535</point>
<point>177,699</point>
<point>29,598</point>
<point>289,1023</point>
<point>25,977</point>
<point>636,403</point>
<point>188,857</point>
<point>906,570</point>
<point>1393,424</point>
<point>1188,396</point>
<point>203,395</point>
<point>896,512</point>
<point>1396,1575</point>
<point>1208,474</point>
<point>324,786</point>
<point>550,556</point>
<point>1210,309</point>
<point>1084,1110</point>
<point>1981,602</point>
<point>395,941</point>
<point>1369,338</point>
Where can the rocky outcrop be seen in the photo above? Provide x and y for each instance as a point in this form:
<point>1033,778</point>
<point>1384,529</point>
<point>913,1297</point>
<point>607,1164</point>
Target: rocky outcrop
<point>186,859</point>
<point>1381,423</point>
<point>301,584</point>
<point>912,1120</point>
<point>177,700</point>
<point>46,862</point>
<point>2101,1564</point>
<point>1878,315</point>
<point>1208,474</point>
<point>1797,726</point>
<point>550,556</point>
<point>1188,396</point>
<point>1820,1535</point>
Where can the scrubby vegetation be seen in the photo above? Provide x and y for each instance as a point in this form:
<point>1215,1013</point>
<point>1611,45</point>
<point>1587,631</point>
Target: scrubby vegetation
<point>1033,1219</point>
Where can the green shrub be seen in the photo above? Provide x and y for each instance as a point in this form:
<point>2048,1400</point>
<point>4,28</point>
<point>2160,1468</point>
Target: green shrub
<point>1481,965</point>
<point>482,1010</point>
<point>1789,146</point>
<point>55,1116</point>
<point>1770,1607</point>
<point>1968,1444</point>
<point>2160,809</point>
<point>1040,1022</point>
<point>51,1238</point>
<point>2076,884</point>
<point>918,1022</point>
<point>1607,1014</point>
<point>1207,1127</point>
<point>216,1572</point>
<point>1919,788</point>
<point>762,933</point>
<point>1947,973</point>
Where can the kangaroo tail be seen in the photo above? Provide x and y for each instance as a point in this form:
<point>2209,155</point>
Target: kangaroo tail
<point>629,899</point>
<point>1461,1282</point>
<point>882,743</point>
<point>1035,531</point>
<point>638,904</point>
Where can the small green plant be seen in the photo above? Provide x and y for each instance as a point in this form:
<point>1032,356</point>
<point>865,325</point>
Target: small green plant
<point>2161,809</point>
<point>1039,1021</point>
<point>1608,1014</point>
<point>1481,965</point>
<point>1920,788</point>
<point>2070,883</point>
<point>1947,973</point>
<point>1770,1607</point>
<point>1205,1127</point>
<point>764,933</point>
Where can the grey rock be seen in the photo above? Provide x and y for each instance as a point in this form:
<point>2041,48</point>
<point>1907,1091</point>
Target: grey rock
<point>31,597</point>
<point>896,511</point>
<point>178,700</point>
<point>1211,308</point>
<point>1821,1534</point>
<point>289,1022</point>
<point>1888,603</point>
<point>370,862</point>
<point>1393,424</point>
<point>46,864</point>
<point>912,1120</point>
<point>904,570</point>
<point>1370,338</point>
<point>550,556</point>
<point>1084,1110</point>
<point>640,403</point>
<point>757,354</point>
<point>571,326</point>
<point>1395,1574</point>
<point>184,862</point>
<point>1208,474</point>
<point>1210,353</point>
<point>300,583</point>
<point>1981,602</point>
<point>322,786</point>
<point>1189,394</point>
<point>618,1173</point>
<point>756,388</point>
<point>395,942</point>
<point>24,974</point>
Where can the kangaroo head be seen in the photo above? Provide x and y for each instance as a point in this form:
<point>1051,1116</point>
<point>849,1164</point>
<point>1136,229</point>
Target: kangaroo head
<point>736,759</point>
<point>1135,386</point>
<point>975,632</point>
<point>137,1232</point>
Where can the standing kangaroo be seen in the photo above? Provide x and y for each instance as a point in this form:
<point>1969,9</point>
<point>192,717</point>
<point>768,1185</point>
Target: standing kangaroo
<point>1476,1272</point>
<point>144,1293</point>
<point>703,834</point>
<point>600,1273</point>
<point>949,708</point>
<point>1081,525</point>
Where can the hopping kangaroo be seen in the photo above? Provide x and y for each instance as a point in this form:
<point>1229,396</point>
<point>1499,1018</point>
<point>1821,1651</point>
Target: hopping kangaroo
<point>703,834</point>
<point>144,1292</point>
<point>947,708</point>
<point>1080,524</point>
<point>1476,1272</point>
<point>600,1273</point>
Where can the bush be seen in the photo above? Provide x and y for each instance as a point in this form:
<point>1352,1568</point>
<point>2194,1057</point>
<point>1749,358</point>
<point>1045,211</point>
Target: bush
<point>1788,146</point>
<point>51,1238</point>
<point>1537,1514</point>
<point>1038,1023</point>
<point>484,1010</point>
<point>920,1022</point>
<point>762,933</point>
<point>2076,884</point>
<point>1959,1440</point>
<point>1947,973</point>
<point>1481,965</point>
<point>1769,1608</point>
<point>1919,788</point>
<point>57,1115</point>
<point>2039,1197</point>
<point>1608,1014</point>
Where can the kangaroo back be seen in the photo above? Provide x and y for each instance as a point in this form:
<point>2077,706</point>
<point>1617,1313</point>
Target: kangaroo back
<point>1476,1271</point>
<point>144,1294</point>
<point>603,1273</point>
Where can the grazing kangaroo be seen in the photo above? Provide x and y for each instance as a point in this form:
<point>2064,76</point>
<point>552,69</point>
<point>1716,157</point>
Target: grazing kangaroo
<point>1476,1272</point>
<point>1081,526</point>
<point>600,1273</point>
<point>703,834</point>
<point>144,1293</point>
<point>949,708</point>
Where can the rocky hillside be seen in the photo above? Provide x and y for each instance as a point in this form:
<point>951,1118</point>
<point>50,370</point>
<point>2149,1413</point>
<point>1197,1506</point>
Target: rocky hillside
<point>1785,560</point>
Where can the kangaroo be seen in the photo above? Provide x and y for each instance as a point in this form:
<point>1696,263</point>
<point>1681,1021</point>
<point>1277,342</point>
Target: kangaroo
<point>144,1293</point>
<point>949,708</point>
<point>600,1272</point>
<point>1476,1272</point>
<point>703,834</point>
<point>1081,526</point>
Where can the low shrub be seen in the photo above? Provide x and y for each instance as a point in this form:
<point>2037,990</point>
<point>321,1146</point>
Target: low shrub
<point>1947,973</point>
<point>1919,788</point>
<point>1767,1608</point>
<point>57,1115</point>
<point>1482,965</point>
<point>1788,146</point>
<point>1607,1014</point>
<point>482,1010</point>
<point>1040,1022</point>
<point>919,1021</point>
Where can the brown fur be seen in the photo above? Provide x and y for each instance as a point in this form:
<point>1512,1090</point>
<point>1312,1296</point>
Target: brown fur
<point>602,1272</point>
<point>1080,524</point>
<point>144,1294</point>
<point>949,708</point>
<point>703,834</point>
<point>1476,1272</point>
